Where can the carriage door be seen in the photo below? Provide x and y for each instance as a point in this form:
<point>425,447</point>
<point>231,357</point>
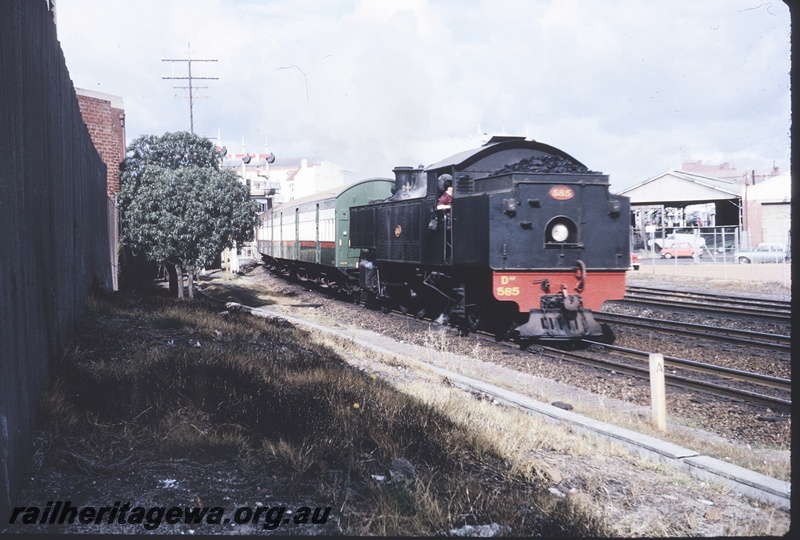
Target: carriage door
<point>317,254</point>
<point>297,234</point>
<point>343,241</point>
<point>280,249</point>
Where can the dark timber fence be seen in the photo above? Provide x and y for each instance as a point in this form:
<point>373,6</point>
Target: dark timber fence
<point>53,224</point>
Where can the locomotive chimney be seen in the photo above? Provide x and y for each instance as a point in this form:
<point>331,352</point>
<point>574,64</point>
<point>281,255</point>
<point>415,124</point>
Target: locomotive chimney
<point>403,180</point>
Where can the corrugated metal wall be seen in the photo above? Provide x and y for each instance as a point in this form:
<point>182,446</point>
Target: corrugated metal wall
<point>53,223</point>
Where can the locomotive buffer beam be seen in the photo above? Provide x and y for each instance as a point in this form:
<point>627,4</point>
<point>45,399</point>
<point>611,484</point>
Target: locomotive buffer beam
<point>561,317</point>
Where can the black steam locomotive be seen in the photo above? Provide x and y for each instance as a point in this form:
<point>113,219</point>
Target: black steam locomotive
<point>530,243</point>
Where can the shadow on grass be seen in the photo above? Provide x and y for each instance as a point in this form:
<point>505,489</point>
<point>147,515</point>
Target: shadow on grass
<point>251,297</point>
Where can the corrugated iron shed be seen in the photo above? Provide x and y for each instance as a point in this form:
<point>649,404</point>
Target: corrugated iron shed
<point>681,188</point>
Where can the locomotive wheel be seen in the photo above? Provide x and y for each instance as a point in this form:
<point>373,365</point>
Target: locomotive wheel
<point>473,321</point>
<point>469,324</point>
<point>505,333</point>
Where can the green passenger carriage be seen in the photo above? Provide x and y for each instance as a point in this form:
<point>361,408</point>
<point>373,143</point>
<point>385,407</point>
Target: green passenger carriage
<point>308,238</point>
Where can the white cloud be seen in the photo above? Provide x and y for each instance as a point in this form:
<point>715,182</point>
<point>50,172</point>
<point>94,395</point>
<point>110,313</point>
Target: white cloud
<point>624,86</point>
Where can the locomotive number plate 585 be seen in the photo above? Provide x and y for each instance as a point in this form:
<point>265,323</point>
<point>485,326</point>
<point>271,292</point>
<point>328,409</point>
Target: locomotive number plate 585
<point>507,286</point>
<point>562,193</point>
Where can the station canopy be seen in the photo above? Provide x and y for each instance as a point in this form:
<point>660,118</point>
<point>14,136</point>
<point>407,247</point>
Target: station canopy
<point>678,189</point>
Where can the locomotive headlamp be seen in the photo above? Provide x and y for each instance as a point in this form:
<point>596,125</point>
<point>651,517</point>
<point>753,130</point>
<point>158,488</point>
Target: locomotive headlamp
<point>559,232</point>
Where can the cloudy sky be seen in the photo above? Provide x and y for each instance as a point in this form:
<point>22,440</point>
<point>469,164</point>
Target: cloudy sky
<point>630,88</point>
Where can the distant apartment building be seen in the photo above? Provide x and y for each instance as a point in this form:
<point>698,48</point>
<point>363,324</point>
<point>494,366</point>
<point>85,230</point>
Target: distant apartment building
<point>273,182</point>
<point>254,170</point>
<point>306,178</point>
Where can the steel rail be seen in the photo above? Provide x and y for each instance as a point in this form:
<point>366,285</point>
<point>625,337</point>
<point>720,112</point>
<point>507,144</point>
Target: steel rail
<point>778,383</point>
<point>772,313</point>
<point>777,342</point>
<point>678,381</point>
<point>721,298</point>
<point>774,403</point>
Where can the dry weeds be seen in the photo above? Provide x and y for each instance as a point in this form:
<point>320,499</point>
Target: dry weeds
<point>154,380</point>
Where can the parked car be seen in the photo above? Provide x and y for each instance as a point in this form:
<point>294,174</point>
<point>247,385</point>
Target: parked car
<point>691,239</point>
<point>681,249</point>
<point>765,252</point>
<point>635,262</point>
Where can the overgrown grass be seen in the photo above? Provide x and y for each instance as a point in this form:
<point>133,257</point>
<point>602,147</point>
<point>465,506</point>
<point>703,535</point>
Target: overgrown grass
<point>183,379</point>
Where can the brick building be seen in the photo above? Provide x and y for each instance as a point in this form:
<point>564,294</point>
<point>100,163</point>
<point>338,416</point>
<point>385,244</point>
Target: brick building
<point>104,116</point>
<point>767,211</point>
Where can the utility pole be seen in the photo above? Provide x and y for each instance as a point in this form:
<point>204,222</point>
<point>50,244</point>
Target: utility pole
<point>190,78</point>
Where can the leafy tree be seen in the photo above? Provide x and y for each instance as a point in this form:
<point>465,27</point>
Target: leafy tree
<point>171,151</point>
<point>177,207</point>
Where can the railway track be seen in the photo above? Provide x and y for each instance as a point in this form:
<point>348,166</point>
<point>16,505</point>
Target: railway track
<point>757,389</point>
<point>763,340</point>
<point>718,374</point>
<point>714,384</point>
<point>714,303</point>
<point>719,381</point>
